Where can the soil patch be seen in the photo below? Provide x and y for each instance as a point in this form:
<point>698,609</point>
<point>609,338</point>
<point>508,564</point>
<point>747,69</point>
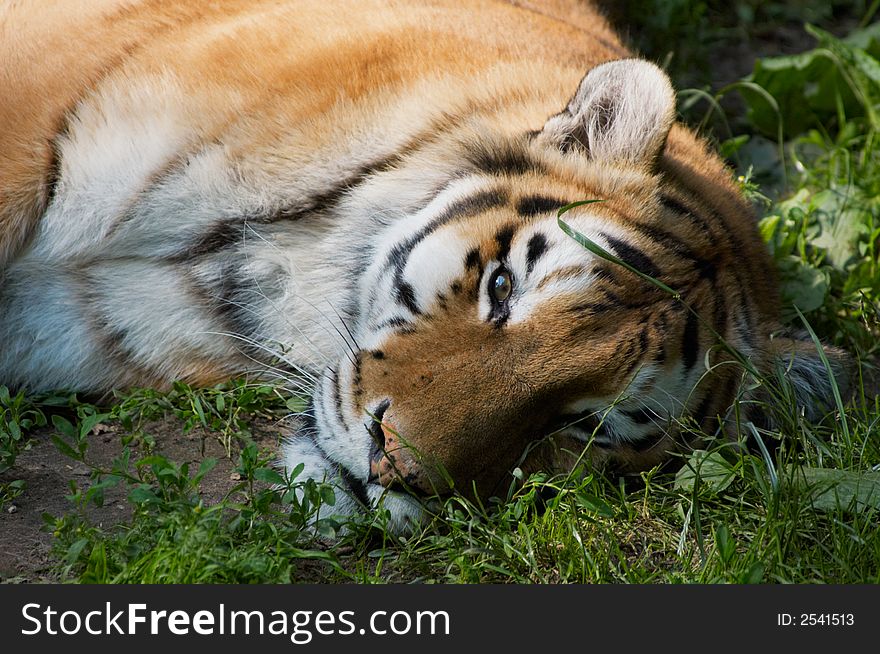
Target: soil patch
<point>25,547</point>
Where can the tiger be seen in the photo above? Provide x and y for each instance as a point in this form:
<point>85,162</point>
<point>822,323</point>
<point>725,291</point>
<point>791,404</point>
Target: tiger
<point>361,200</point>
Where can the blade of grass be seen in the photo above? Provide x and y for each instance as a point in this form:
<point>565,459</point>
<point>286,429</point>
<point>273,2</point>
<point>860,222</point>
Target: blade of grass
<point>835,389</point>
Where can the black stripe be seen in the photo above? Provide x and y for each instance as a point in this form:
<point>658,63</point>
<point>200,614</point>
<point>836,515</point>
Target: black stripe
<point>357,487</point>
<point>746,310</point>
<point>702,412</point>
<point>337,397</point>
<point>728,230</point>
<point>690,344</point>
<point>230,304</point>
<point>329,198</point>
<point>534,205</point>
<point>474,262</point>
<point>357,378</point>
<point>396,321</point>
<point>704,225</point>
<point>705,269</point>
<point>603,273</point>
<point>699,221</point>
<point>536,248</point>
<point>472,259</point>
<point>53,170</point>
<point>635,258</point>
<point>635,349</point>
<point>641,346</point>
<point>615,300</point>
<point>220,236</point>
<point>504,237</point>
<point>407,297</point>
<point>111,338</point>
<point>661,327</point>
<point>613,303</point>
<point>674,205</point>
<point>504,158</point>
<point>593,308</point>
<point>720,310</point>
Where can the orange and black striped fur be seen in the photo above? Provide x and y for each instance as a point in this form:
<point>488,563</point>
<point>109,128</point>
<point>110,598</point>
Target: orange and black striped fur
<point>360,196</point>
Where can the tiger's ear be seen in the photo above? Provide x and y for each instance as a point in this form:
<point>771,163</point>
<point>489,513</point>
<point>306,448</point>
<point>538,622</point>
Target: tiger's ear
<point>622,112</point>
<point>798,359</point>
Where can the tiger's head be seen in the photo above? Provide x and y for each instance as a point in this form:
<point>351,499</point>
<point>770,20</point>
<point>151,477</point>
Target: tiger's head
<point>487,338</point>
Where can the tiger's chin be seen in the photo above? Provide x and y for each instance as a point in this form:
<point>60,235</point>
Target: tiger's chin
<point>356,498</point>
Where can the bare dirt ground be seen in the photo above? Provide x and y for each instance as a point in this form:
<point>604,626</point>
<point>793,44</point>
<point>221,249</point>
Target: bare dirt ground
<point>25,547</point>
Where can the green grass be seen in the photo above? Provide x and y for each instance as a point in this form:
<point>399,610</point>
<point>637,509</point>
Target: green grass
<point>727,516</point>
<point>800,505</point>
<point>18,416</point>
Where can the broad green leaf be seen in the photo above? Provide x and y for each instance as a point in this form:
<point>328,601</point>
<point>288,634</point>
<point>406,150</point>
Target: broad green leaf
<point>65,427</point>
<point>141,495</point>
<point>755,574</point>
<point>75,550</point>
<point>712,469</point>
<point>803,287</point>
<point>205,467</point>
<point>724,543</point>
<point>830,490</point>
<point>841,214</point>
<point>63,447</point>
<point>328,497</point>
<point>268,476</point>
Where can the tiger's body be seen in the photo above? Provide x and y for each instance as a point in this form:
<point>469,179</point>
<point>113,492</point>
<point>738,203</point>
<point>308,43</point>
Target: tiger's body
<point>366,191</point>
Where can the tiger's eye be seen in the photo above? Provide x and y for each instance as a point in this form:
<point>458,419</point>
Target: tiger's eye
<point>502,286</point>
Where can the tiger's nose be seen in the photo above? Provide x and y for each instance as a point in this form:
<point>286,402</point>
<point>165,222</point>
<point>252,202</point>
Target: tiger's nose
<point>390,464</point>
<point>387,467</point>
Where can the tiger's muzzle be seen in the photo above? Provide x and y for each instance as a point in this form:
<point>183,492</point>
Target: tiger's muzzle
<point>392,462</point>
